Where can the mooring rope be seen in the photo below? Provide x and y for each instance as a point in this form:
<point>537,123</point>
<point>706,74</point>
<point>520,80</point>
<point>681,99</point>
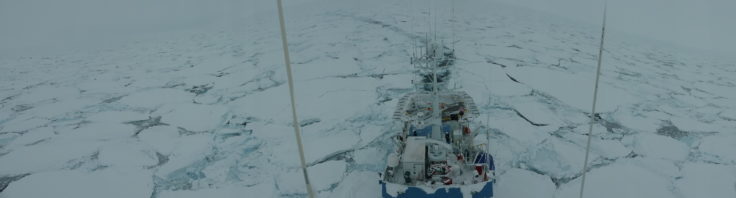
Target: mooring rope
<point>291,94</point>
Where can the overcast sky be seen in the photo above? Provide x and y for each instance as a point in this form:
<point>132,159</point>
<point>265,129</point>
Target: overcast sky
<point>699,24</point>
<point>51,27</point>
<point>30,27</point>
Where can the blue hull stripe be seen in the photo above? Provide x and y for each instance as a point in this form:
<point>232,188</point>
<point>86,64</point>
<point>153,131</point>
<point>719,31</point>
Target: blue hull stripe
<point>454,192</point>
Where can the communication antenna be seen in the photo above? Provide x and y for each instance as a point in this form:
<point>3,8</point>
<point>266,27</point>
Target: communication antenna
<point>410,4</point>
<point>452,24</point>
<point>429,23</point>
<point>297,132</point>
<point>595,98</point>
<point>433,23</point>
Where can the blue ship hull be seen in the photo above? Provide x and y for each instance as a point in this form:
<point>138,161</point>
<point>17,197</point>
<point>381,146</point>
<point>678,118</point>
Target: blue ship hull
<point>451,192</point>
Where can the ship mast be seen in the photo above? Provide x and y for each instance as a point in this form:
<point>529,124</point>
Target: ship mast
<point>295,121</point>
<point>436,112</point>
<point>595,99</point>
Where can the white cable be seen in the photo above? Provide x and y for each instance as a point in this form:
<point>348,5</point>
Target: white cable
<point>291,94</point>
<point>595,98</point>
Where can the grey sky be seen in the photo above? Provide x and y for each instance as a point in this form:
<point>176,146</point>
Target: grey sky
<point>30,27</point>
<point>49,27</point>
<point>699,24</point>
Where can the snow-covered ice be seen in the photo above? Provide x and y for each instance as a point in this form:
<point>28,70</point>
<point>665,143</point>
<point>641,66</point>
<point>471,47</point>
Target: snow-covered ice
<point>68,183</point>
<point>206,113</point>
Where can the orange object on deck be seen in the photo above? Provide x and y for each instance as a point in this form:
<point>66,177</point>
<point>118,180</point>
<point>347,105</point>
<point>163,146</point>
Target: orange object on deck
<point>447,180</point>
<point>479,169</point>
<point>466,130</point>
